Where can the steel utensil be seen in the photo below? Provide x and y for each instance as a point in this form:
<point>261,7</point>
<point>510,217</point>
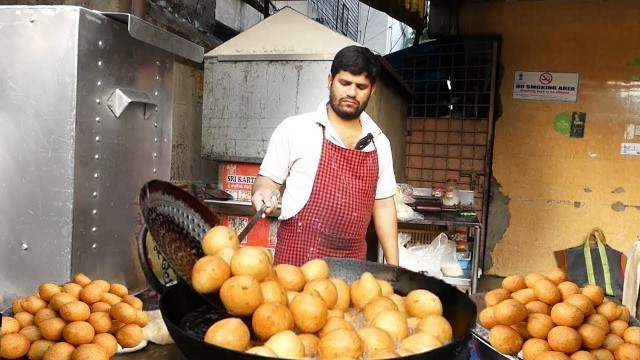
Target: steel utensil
<point>256,217</point>
<point>177,222</point>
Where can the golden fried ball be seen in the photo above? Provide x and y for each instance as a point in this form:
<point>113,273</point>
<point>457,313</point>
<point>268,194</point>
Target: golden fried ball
<point>130,335</point>
<point>538,307</point>
<point>25,318</point>
<point>271,318</point>
<point>524,296</point>
<point>59,351</point>
<point>532,348</point>
<point>47,290</point>
<point>104,285</point>
<point>618,327</point>
<point>100,306</point>
<point>582,302</point>
<point>505,339</point>
<point>101,322</point>
<point>564,339</point>
<point>495,296</point>
<point>123,313</point>
<point>89,352</point>
<point>592,336</point>
<point>510,312</point>
<point>60,299</point>
<point>557,276</point>
<point>374,339</point>
<point>44,314</point>
<point>14,346</point>
<point>110,299</point>
<point>91,293</point>
<point>340,343</point>
<point>38,348</point>
<point>531,278</point>
<point>567,315</point>
<point>118,289</point>
<point>133,301</point>
<point>32,304</point>
<point>438,326</point>
<point>51,329</point>
<point>487,317</point>
<point>602,354</point>
<point>547,292</point>
<point>595,293</point>
<point>10,325</point>
<point>75,311</point>
<point>611,342</point>
<point>610,310</point>
<point>209,273</point>
<point>632,335</point>
<point>582,355</point>
<point>627,351</point>
<point>78,333</point>
<point>31,332</point>
<point>568,288</point>
<point>599,321</point>
<point>553,355</point>
<point>81,279</point>
<point>72,288</point>
<point>514,283</point>
<point>539,325</point>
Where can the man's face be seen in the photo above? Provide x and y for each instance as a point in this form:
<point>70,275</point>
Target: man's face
<point>349,94</point>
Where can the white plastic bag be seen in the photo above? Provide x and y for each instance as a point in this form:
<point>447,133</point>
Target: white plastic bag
<point>436,259</point>
<point>403,211</point>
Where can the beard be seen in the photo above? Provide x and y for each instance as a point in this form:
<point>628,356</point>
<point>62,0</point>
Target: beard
<point>346,113</point>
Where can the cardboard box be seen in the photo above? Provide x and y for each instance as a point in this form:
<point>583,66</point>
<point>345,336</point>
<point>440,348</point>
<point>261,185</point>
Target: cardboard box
<point>237,179</point>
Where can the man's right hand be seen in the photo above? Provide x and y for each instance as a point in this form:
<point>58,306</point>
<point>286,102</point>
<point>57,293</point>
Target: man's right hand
<point>265,191</point>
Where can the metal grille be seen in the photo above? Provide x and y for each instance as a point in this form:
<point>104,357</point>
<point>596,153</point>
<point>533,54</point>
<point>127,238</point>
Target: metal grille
<point>339,15</point>
<point>450,121</point>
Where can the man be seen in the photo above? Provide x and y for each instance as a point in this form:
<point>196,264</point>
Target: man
<point>338,170</point>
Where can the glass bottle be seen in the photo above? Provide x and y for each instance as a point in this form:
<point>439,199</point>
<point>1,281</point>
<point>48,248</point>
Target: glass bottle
<point>451,193</point>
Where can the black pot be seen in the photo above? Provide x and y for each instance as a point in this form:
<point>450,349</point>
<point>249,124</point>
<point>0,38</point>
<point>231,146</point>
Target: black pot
<point>187,315</point>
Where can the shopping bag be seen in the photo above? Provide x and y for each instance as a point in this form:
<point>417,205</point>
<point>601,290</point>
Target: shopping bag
<point>594,263</point>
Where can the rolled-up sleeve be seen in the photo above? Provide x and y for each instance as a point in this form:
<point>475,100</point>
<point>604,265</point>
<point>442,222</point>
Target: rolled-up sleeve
<point>275,164</point>
<point>386,176</point>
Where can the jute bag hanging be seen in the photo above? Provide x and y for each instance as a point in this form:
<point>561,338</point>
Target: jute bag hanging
<point>594,263</point>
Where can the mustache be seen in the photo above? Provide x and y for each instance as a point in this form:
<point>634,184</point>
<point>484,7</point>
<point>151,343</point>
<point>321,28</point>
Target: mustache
<point>349,99</point>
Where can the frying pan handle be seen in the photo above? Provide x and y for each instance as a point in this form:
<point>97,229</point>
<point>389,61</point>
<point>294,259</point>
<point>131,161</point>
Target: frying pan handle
<point>147,266</point>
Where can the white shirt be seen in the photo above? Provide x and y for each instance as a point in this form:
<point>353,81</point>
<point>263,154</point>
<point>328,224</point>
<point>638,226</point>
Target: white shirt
<point>293,155</point>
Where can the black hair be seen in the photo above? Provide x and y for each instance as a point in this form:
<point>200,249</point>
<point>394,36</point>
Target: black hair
<point>356,60</point>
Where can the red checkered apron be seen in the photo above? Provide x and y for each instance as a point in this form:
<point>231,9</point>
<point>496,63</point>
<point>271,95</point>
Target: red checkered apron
<point>335,219</point>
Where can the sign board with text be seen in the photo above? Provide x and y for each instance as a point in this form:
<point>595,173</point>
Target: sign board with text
<point>545,86</point>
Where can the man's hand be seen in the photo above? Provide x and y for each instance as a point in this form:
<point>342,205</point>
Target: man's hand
<point>265,191</point>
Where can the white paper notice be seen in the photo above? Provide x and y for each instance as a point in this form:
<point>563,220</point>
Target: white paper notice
<point>545,86</point>
<point>630,149</point>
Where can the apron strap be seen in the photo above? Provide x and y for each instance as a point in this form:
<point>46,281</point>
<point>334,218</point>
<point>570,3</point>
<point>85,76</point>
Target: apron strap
<point>603,259</point>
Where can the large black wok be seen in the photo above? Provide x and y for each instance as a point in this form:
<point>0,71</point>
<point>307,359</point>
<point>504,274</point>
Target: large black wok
<point>188,316</point>
<point>177,223</point>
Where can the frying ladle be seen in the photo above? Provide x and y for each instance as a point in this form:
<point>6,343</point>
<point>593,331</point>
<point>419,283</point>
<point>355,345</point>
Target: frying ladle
<point>177,222</point>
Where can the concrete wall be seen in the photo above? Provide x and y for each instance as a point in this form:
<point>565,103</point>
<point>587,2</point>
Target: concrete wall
<point>550,190</point>
<point>187,162</point>
<point>245,101</point>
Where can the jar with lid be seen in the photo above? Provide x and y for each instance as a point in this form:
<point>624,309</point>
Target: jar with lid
<point>450,197</point>
<point>460,238</point>
<point>437,191</point>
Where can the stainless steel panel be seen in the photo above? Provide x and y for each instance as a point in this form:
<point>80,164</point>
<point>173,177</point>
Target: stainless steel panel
<point>71,169</point>
<point>37,114</point>
<point>116,155</point>
<point>145,32</point>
